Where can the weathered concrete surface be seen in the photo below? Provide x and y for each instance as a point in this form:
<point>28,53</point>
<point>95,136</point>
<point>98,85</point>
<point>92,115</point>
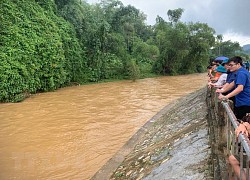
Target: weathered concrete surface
<point>172,145</point>
<point>188,159</point>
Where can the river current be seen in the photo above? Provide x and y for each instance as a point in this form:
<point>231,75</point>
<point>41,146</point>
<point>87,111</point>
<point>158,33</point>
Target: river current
<point>74,131</point>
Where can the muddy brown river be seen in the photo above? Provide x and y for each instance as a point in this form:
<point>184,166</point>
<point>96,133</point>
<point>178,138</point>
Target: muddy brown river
<point>74,131</point>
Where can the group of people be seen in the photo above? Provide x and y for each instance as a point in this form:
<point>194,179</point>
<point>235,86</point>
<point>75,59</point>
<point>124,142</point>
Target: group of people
<point>232,80</point>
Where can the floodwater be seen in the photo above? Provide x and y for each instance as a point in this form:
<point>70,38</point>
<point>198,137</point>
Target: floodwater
<point>74,131</point>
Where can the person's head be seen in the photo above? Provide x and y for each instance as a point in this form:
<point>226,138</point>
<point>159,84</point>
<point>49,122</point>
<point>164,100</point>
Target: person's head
<point>214,66</point>
<point>209,67</point>
<point>217,62</point>
<point>225,64</point>
<point>235,63</point>
<point>221,69</point>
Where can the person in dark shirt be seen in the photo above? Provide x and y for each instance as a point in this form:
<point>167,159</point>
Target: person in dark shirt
<point>230,78</point>
<point>240,86</point>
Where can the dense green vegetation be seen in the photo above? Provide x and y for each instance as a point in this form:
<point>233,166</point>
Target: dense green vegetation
<point>226,48</point>
<point>48,44</point>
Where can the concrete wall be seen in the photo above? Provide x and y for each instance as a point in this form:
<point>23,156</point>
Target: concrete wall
<point>217,119</point>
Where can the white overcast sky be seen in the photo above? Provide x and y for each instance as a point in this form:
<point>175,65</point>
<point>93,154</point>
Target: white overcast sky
<point>231,18</point>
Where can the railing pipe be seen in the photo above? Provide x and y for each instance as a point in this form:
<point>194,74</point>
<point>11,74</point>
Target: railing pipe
<point>245,141</point>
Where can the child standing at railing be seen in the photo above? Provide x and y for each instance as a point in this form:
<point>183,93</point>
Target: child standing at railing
<point>222,79</point>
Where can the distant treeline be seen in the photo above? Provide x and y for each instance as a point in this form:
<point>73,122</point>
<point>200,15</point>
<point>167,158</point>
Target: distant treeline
<point>48,44</point>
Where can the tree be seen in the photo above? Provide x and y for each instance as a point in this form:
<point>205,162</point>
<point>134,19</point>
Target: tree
<point>227,48</point>
<point>183,47</point>
<point>200,39</point>
<point>33,49</point>
<point>175,15</point>
<point>219,39</point>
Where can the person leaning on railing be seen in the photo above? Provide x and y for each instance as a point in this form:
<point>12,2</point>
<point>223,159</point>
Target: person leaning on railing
<point>244,128</point>
<point>222,79</point>
<point>240,86</point>
<point>212,73</point>
<point>230,78</point>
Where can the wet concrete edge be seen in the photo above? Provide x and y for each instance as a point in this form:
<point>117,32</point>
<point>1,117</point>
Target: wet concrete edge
<point>112,164</point>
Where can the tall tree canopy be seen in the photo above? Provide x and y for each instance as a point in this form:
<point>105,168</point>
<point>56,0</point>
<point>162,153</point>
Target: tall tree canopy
<point>46,45</point>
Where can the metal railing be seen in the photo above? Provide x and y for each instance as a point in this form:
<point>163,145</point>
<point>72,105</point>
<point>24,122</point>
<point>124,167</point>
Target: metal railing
<point>237,146</point>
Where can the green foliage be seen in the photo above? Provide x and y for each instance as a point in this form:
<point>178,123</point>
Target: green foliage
<point>133,70</point>
<point>226,48</point>
<point>32,50</point>
<point>183,47</point>
<point>47,44</point>
<point>112,67</point>
<point>175,15</point>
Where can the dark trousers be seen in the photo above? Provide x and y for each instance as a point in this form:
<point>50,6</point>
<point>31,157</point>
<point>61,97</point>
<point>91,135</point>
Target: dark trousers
<point>241,111</point>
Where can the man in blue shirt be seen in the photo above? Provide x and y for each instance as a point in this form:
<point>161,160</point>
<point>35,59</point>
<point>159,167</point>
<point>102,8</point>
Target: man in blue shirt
<point>241,86</point>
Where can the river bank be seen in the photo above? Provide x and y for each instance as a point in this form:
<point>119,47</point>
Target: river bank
<point>173,145</point>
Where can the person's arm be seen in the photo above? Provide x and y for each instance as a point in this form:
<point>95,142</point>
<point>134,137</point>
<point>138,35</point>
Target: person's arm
<point>226,88</point>
<point>236,167</point>
<point>225,85</point>
<point>236,91</point>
